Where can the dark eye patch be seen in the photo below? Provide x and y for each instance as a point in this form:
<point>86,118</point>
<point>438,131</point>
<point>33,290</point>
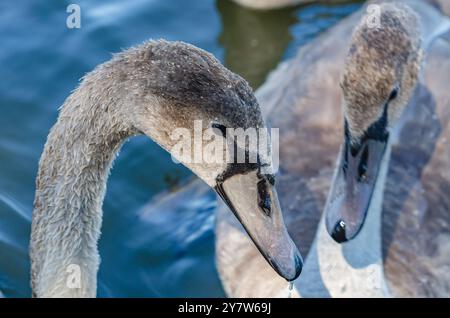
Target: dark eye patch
<point>393,94</point>
<point>378,130</point>
<point>221,128</point>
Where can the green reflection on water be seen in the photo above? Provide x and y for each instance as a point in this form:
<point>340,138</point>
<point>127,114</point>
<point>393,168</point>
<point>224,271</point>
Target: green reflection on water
<point>254,41</point>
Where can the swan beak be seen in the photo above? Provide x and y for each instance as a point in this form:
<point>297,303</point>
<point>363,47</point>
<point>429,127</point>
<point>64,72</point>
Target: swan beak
<point>254,201</point>
<point>352,188</point>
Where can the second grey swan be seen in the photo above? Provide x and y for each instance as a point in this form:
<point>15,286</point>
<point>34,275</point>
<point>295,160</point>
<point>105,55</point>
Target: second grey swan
<point>403,248</point>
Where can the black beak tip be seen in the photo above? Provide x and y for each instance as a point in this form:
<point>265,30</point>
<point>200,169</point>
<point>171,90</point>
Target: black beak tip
<point>298,268</point>
<point>338,233</point>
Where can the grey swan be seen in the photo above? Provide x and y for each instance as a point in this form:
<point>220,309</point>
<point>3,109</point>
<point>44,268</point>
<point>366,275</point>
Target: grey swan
<point>150,89</point>
<point>402,180</point>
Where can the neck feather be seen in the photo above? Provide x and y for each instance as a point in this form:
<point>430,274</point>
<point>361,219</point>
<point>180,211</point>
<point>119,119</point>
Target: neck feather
<point>70,189</point>
<point>352,269</point>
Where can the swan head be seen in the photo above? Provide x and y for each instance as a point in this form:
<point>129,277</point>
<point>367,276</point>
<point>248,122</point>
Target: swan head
<point>190,104</point>
<point>381,71</point>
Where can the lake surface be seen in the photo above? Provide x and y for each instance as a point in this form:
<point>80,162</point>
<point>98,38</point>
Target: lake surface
<point>151,245</point>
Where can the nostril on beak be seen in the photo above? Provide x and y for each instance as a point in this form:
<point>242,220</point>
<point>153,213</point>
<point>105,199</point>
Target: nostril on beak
<point>339,232</point>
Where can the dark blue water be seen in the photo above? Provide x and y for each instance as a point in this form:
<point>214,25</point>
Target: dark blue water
<point>151,245</point>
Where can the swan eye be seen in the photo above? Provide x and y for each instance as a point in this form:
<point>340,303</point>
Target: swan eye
<point>221,128</point>
<point>264,201</point>
<point>393,94</point>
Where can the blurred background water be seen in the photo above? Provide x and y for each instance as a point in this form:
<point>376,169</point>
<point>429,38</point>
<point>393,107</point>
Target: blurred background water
<point>150,244</point>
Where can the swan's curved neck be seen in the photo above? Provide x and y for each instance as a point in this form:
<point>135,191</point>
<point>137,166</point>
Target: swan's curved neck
<point>352,269</point>
<point>71,185</point>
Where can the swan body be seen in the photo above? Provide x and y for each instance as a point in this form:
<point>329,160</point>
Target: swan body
<point>150,89</point>
<point>402,250</point>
